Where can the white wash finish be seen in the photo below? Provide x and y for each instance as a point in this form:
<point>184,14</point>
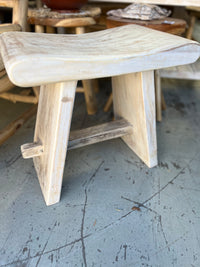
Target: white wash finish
<point>117,51</point>
<point>137,91</point>
<point>130,54</point>
<point>191,72</point>
<point>52,131</point>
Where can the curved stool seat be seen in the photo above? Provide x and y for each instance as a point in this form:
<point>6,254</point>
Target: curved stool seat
<point>129,54</point>
<point>55,58</point>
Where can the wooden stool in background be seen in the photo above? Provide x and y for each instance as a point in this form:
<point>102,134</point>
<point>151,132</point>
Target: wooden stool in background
<point>19,23</point>
<point>169,25</point>
<point>48,21</point>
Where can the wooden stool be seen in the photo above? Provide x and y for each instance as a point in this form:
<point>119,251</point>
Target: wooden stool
<point>125,54</point>
<point>87,16</point>
<point>169,25</point>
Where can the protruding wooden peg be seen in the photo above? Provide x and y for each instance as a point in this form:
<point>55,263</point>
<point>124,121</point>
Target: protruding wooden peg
<point>31,150</point>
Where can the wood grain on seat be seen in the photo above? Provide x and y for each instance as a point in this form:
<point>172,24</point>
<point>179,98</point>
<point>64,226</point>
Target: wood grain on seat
<point>35,59</point>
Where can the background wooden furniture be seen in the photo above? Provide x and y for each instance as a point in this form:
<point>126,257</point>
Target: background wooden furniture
<point>188,72</point>
<point>93,55</point>
<point>50,21</point>
<point>19,23</point>
<point>19,11</point>
<point>169,25</point>
<point>194,13</point>
<point>157,2</point>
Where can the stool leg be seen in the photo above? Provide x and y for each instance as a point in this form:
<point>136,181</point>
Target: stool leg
<point>191,27</point>
<point>96,85</point>
<point>108,103</point>
<point>80,30</point>
<point>134,100</point>
<point>39,29</point>
<point>163,103</point>
<point>158,92</point>
<point>89,86</point>
<point>52,132</point>
<point>50,29</point>
<point>90,97</point>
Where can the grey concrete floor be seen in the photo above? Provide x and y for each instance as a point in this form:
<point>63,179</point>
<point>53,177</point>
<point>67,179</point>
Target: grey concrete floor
<point>113,209</point>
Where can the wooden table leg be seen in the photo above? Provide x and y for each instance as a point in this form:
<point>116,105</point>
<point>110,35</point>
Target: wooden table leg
<point>134,100</point>
<point>89,87</point>
<point>39,29</point>
<point>50,29</point>
<point>108,103</point>
<point>51,133</point>
<point>158,95</point>
<point>163,103</point>
<point>20,9</point>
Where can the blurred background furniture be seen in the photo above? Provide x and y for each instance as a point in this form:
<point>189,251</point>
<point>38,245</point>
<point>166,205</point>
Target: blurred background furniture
<point>169,25</point>
<point>194,13</point>
<point>191,71</point>
<point>156,2</point>
<point>19,23</point>
<point>49,21</point>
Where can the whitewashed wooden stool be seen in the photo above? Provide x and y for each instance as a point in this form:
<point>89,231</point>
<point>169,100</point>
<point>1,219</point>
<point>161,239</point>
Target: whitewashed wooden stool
<point>129,54</point>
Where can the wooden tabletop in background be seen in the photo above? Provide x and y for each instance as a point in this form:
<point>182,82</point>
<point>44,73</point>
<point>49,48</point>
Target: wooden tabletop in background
<point>159,2</point>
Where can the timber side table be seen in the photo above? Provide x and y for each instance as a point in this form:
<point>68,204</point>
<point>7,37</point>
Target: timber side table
<point>169,25</point>
<point>48,21</point>
<point>123,53</point>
